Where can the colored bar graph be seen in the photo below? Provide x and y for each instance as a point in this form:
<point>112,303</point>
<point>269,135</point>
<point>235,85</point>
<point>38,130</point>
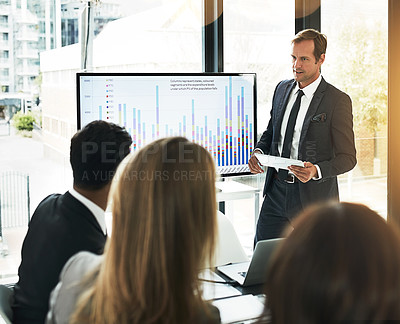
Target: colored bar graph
<point>242,115</point>
<point>229,138</point>
<point>157,113</point>
<point>215,151</point>
<point>251,138</point>
<point>219,143</point>
<point>238,128</point>
<point>192,120</point>
<point>223,152</point>
<point>247,138</point>
<point>124,115</point>
<point>211,148</point>
<point>226,123</point>
<point>134,130</point>
<point>205,126</point>
<point>139,130</point>
<point>230,120</point>
<point>144,133</point>
<point>234,151</point>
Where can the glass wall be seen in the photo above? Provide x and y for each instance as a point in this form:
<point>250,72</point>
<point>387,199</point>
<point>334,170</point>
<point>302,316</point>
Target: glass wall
<point>257,35</point>
<point>153,36</point>
<point>166,36</point>
<point>357,63</point>
<point>163,36</point>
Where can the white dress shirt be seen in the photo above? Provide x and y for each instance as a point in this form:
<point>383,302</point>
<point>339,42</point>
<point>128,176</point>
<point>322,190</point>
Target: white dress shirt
<point>304,104</point>
<point>97,211</point>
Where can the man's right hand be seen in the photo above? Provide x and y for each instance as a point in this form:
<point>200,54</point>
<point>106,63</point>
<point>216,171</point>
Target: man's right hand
<point>254,164</point>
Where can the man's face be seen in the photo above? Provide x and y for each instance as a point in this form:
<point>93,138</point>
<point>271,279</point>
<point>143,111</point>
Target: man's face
<point>305,66</point>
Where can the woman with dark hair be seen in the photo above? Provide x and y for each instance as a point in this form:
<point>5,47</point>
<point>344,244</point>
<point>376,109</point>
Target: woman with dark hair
<point>341,264</point>
<point>163,233</point>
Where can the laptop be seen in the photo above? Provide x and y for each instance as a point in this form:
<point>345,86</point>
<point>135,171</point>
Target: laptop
<point>253,272</point>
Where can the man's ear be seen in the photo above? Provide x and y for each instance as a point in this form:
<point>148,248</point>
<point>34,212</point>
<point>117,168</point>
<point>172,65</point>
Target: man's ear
<point>322,59</point>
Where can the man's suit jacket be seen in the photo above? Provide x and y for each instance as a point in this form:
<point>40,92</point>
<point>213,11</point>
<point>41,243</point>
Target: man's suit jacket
<point>60,227</point>
<point>326,139</point>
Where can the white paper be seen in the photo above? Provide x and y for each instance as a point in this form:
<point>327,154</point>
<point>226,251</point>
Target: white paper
<point>277,161</point>
<point>239,308</point>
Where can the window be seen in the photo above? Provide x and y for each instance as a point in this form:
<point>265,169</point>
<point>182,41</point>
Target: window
<point>42,27</point>
<point>4,72</point>
<point>158,36</point>
<point>166,36</point>
<point>257,35</point>
<point>357,63</point>
<point>3,19</point>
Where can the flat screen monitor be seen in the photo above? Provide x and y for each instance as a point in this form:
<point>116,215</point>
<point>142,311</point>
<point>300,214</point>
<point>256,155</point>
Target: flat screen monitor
<point>215,110</point>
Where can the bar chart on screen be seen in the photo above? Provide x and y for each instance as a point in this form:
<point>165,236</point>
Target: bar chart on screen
<point>215,111</point>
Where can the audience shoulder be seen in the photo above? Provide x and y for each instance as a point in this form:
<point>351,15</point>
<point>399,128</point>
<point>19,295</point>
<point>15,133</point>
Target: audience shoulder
<point>49,199</point>
<point>80,264</point>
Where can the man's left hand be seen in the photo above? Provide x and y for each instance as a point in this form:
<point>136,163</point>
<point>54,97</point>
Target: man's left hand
<point>306,173</point>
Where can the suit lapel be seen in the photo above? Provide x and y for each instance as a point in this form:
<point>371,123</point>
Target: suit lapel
<point>312,109</point>
<point>280,112</point>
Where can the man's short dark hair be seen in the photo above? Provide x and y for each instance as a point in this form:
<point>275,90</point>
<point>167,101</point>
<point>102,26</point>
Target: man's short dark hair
<point>96,152</point>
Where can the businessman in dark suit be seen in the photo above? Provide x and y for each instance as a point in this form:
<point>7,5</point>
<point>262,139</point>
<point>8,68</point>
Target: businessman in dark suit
<point>311,121</point>
<point>63,225</point>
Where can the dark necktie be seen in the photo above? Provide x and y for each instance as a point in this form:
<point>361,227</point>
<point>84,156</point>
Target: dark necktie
<point>287,142</point>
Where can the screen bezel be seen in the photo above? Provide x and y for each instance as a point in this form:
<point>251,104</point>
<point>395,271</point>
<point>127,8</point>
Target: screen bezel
<point>185,74</point>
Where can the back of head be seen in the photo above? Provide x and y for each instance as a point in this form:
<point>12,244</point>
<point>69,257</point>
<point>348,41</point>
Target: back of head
<point>164,225</point>
<point>340,264</point>
<point>96,152</point>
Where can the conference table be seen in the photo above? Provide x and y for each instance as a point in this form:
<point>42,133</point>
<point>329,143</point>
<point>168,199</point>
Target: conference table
<point>236,304</point>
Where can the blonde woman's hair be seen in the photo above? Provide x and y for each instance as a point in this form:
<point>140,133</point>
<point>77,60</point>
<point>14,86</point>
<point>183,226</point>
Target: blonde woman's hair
<point>164,226</point>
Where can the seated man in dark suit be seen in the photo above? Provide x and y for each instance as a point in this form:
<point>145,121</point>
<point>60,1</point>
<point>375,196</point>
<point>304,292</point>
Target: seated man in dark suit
<point>63,225</point>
